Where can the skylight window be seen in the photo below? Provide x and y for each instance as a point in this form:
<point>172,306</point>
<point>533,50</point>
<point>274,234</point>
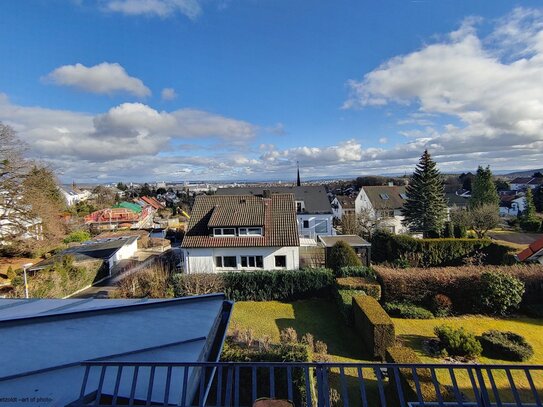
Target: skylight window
<point>403,196</point>
<point>384,196</point>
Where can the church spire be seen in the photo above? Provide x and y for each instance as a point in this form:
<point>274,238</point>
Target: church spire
<point>298,182</point>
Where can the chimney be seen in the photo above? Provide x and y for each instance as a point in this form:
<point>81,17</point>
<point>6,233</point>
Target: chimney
<point>266,193</point>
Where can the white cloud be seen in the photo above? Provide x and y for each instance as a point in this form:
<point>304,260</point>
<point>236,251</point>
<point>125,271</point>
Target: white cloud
<point>168,94</point>
<point>160,8</point>
<point>383,140</point>
<point>487,100</point>
<point>104,78</point>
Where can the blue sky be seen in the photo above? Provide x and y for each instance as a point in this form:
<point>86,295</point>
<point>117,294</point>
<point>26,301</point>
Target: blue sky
<point>215,89</point>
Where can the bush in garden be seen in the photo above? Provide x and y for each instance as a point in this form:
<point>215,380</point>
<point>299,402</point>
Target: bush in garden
<point>342,255</point>
<point>500,292</point>
<point>288,335</point>
<point>458,342</point>
<point>530,225</point>
<point>506,346</point>
<point>77,236</point>
<point>407,311</point>
<point>441,305</point>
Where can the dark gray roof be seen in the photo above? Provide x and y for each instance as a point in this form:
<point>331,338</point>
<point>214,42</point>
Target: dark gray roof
<point>315,197</point>
<point>385,197</point>
<point>101,249</point>
<point>351,240</point>
<point>456,200</point>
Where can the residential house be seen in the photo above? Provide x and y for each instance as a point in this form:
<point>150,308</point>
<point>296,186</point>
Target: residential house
<point>343,205</point>
<point>361,247</point>
<point>523,183</point>
<point>512,204</point>
<point>111,250</point>
<point>533,253</point>
<point>122,215</point>
<point>53,343</point>
<point>73,195</point>
<point>456,201</point>
<point>384,204</point>
<point>313,210</point>
<point>241,232</point>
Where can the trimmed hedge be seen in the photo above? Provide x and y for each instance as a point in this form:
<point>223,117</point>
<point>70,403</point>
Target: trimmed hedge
<point>265,285</point>
<point>351,271</point>
<point>344,300</point>
<point>407,310</point>
<point>387,247</point>
<point>374,325</point>
<point>458,342</point>
<point>463,285</point>
<point>368,286</point>
<point>506,346</point>
<point>397,354</point>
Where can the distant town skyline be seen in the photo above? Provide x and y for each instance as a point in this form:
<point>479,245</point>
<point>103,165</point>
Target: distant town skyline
<point>141,90</point>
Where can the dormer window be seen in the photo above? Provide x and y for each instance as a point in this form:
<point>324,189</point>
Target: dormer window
<point>224,232</point>
<point>250,231</point>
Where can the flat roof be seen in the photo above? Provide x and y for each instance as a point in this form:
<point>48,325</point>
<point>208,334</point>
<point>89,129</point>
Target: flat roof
<point>351,240</point>
<point>50,338</point>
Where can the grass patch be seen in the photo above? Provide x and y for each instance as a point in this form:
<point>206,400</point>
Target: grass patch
<point>413,333</point>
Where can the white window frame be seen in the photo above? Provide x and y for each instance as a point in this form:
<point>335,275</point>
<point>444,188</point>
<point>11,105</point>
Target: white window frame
<point>251,259</point>
<point>222,266</point>
<point>256,231</point>
<point>219,232</point>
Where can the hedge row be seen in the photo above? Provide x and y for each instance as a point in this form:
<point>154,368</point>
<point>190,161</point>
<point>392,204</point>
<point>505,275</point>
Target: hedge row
<point>387,247</point>
<point>462,285</point>
<point>266,285</point>
<point>344,300</point>
<point>374,325</point>
<point>369,286</point>
<point>397,354</point>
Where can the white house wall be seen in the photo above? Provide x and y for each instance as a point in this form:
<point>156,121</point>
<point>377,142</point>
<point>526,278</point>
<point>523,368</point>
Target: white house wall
<point>313,221</point>
<point>362,203</point>
<point>203,260</point>
<point>125,252</point>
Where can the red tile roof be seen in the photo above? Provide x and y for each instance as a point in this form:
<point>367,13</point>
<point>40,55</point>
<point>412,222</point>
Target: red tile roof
<point>533,249</point>
<point>276,215</point>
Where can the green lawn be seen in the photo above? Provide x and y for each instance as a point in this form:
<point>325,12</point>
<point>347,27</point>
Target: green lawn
<point>321,318</point>
<point>413,333</point>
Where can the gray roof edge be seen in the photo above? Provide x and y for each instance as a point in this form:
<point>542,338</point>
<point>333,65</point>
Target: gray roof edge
<point>113,308</point>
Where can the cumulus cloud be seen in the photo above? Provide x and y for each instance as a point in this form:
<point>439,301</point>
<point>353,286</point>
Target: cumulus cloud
<point>104,78</point>
<point>158,8</point>
<point>168,94</point>
<point>486,90</point>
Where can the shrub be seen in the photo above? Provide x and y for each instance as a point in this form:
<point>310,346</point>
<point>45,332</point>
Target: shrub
<point>197,284</point>
<point>506,346</point>
<point>350,271</point>
<point>437,252</point>
<point>500,292</point>
<point>441,305</point>
<point>235,352</point>
<point>374,325</point>
<point>407,310</point>
<point>458,342</point>
<point>368,286</point>
<point>461,284</point>
<point>402,355</point>
<point>534,310</point>
<point>152,282</point>
<point>288,335</point>
<point>278,285</point>
<point>530,225</point>
<point>342,255</point>
<point>77,236</point>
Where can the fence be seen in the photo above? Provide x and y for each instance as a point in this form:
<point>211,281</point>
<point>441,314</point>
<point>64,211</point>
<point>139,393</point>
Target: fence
<point>310,384</point>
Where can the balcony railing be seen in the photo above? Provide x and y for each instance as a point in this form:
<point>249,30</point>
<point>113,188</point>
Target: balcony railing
<point>310,384</point>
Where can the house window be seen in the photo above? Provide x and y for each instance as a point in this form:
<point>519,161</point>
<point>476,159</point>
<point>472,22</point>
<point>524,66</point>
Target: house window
<point>386,213</point>
<point>250,231</point>
<point>252,261</point>
<point>281,261</point>
<point>226,261</point>
<point>403,196</point>
<point>306,224</point>
<point>224,232</point>
<point>384,196</point>
<point>321,227</point>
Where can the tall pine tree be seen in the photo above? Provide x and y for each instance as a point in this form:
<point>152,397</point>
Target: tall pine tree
<point>529,209</point>
<point>483,191</point>
<point>425,209</point>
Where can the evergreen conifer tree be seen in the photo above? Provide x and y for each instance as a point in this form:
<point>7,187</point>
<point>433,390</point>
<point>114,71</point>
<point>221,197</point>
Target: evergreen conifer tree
<point>529,210</point>
<point>425,209</point>
<point>483,190</point>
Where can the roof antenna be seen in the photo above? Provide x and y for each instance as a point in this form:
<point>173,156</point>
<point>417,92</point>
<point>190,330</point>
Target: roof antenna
<point>298,182</point>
